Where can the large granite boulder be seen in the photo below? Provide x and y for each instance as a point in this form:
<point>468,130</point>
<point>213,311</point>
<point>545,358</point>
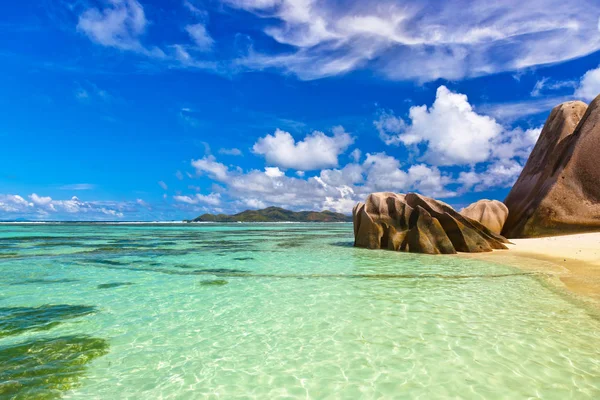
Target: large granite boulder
<point>490,213</point>
<point>418,224</point>
<point>558,191</point>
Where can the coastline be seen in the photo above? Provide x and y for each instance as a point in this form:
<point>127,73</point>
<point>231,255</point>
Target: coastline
<point>574,260</point>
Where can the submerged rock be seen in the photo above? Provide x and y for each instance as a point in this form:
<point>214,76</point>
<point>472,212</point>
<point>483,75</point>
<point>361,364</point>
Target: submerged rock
<point>490,213</point>
<point>418,224</point>
<point>46,368</point>
<point>17,320</point>
<point>558,191</point>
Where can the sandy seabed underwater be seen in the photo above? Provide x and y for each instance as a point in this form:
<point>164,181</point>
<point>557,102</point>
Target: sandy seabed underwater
<point>276,311</point>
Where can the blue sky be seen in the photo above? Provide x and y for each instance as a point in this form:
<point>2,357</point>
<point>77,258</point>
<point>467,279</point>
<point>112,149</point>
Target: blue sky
<point>154,110</point>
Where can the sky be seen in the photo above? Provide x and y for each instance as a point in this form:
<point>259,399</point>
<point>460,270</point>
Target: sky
<point>131,110</point>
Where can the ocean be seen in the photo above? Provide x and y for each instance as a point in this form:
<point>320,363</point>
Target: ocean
<point>269,311</point>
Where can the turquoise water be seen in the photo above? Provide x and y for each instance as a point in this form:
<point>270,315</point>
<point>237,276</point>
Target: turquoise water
<point>271,311</point>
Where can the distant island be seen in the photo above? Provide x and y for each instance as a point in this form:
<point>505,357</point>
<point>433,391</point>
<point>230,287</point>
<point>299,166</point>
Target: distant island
<point>276,214</point>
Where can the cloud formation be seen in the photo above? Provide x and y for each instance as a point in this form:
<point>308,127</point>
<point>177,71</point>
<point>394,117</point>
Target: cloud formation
<point>422,40</point>
<point>589,85</point>
<point>47,208</point>
<point>453,133</point>
<point>415,40</point>
<point>119,25</point>
<point>316,151</point>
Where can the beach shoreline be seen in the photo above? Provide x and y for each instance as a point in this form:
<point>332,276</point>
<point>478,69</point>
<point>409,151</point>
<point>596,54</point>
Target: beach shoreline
<point>574,260</point>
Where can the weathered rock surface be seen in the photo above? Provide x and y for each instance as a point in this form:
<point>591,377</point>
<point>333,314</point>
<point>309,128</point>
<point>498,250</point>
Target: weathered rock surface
<point>558,191</point>
<point>490,213</point>
<point>418,224</point>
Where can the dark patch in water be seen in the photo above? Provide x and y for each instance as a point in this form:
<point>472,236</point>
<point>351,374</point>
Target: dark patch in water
<point>107,262</point>
<point>43,369</point>
<point>44,281</point>
<point>222,271</point>
<point>113,285</point>
<point>214,282</point>
<point>15,320</point>
<point>342,244</point>
<point>243,258</point>
<point>59,244</point>
<point>289,245</point>
<point>185,266</point>
<point>9,255</point>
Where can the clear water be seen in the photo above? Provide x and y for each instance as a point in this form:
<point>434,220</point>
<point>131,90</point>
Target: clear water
<point>276,311</point>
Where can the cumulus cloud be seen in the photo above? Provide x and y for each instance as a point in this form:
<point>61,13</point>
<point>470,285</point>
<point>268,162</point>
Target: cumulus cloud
<point>13,203</point>
<point>208,165</point>
<point>454,134</point>
<point>589,85</point>
<point>422,40</point>
<point>316,151</point>
<point>42,201</point>
<point>45,207</point>
<point>274,172</point>
<point>213,199</point>
<point>336,188</point>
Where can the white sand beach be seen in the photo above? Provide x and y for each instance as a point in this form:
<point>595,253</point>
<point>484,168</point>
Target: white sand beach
<point>574,259</point>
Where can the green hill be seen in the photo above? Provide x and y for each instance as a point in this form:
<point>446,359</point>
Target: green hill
<point>276,214</point>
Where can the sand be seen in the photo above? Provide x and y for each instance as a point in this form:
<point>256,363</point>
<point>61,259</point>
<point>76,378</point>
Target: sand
<point>573,259</point>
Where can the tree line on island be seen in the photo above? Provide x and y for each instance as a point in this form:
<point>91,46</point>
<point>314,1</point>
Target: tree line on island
<point>276,214</point>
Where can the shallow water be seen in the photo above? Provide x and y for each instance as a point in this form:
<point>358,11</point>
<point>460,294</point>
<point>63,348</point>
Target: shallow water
<point>276,311</point>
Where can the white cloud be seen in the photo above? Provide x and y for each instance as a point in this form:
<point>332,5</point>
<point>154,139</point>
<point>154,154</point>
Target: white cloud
<point>274,172</point>
<point>515,143</point>
<point>501,174</point>
<point>213,199</point>
<point>119,25</point>
<point>11,203</point>
<point>355,155</point>
<point>40,200</point>
<point>209,165</point>
<point>546,85</point>
<point>163,185</point>
<point>316,151</point>
<point>389,127</point>
<point>454,133</point>
<point>414,40</point>
<point>422,41</point>
<point>231,152</point>
<point>336,189</point>
<point>44,207</point>
<point>589,85</point>
<point>200,36</point>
